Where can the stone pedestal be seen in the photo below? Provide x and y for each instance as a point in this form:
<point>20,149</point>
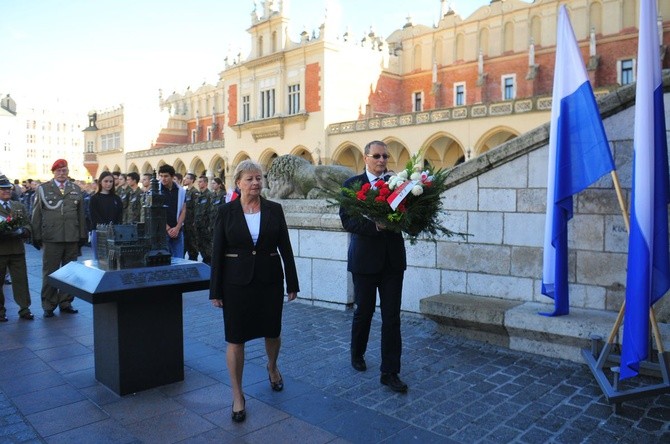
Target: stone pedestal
<point>137,319</point>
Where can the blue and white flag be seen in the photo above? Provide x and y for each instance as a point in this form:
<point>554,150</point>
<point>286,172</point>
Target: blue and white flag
<point>578,156</point>
<point>648,267</point>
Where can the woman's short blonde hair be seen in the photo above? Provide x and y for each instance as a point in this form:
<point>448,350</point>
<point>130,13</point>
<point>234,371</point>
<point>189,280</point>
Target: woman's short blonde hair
<point>246,166</point>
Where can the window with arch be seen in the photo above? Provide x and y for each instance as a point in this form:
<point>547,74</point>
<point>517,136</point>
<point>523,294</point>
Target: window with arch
<point>439,49</point>
<point>484,41</point>
<point>416,59</point>
<point>460,46</point>
<point>595,17</point>
<point>536,30</point>
<point>629,15</point>
<point>508,37</point>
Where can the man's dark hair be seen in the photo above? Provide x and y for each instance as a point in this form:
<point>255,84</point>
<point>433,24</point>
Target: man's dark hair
<point>374,142</point>
<point>192,176</point>
<point>205,178</point>
<point>134,176</point>
<point>179,176</point>
<point>116,173</point>
<point>169,169</point>
<point>149,175</point>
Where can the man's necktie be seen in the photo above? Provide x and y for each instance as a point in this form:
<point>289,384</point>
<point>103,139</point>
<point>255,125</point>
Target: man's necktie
<point>6,205</point>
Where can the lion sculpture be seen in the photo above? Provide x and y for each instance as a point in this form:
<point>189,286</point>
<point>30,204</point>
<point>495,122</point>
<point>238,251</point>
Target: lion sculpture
<point>292,177</point>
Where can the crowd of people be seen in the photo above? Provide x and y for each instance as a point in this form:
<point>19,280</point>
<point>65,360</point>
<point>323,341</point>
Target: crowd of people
<point>242,235</point>
<point>62,214</point>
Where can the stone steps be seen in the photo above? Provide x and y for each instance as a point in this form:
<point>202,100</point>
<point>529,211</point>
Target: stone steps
<point>519,326</point>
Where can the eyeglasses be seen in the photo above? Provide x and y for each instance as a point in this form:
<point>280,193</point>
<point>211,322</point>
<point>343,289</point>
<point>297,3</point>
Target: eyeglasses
<point>377,156</point>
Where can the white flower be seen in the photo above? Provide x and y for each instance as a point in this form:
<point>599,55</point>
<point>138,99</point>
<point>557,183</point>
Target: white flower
<point>417,190</point>
<point>415,176</point>
<point>417,167</point>
<point>403,174</point>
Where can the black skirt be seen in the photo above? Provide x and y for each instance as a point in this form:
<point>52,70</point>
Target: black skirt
<point>252,311</point>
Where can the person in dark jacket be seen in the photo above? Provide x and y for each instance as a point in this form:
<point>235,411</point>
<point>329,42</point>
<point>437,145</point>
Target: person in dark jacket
<point>251,241</point>
<point>377,262</point>
<point>105,207</point>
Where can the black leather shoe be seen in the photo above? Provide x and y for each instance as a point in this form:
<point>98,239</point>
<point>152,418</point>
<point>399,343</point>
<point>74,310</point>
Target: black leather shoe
<point>69,310</point>
<point>358,363</point>
<point>241,415</point>
<point>394,382</point>
<point>276,386</point>
<point>3,318</point>
<point>27,316</point>
<point>48,313</point>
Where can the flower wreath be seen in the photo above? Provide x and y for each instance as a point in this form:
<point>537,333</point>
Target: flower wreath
<point>407,202</point>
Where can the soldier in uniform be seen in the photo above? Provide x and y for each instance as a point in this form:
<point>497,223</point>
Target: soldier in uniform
<point>146,190</point>
<point>133,209</point>
<point>190,240</point>
<point>59,224</point>
<point>202,223</point>
<point>122,189</point>
<point>13,252</point>
<point>216,199</point>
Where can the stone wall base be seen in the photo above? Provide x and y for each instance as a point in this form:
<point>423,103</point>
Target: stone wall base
<point>519,326</point>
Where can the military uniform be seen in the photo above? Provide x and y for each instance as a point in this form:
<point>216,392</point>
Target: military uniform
<point>203,225</point>
<point>133,210</point>
<point>123,192</point>
<point>216,200</point>
<point>59,224</point>
<point>13,257</point>
<point>190,240</point>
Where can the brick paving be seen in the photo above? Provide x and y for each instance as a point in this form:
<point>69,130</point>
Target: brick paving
<point>460,390</point>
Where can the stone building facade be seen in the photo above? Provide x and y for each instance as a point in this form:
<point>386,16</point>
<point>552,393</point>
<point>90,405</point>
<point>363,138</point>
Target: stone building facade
<point>454,90</point>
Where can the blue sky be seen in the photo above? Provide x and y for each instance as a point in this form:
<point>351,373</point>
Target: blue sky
<point>67,50</point>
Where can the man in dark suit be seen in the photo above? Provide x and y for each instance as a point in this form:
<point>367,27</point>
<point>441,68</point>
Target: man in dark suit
<point>377,262</point>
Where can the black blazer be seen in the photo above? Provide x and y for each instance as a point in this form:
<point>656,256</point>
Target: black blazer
<point>235,258</point>
<point>371,251</point>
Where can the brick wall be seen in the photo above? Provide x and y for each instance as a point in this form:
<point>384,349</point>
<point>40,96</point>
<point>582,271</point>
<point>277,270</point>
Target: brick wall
<point>394,94</point>
<point>232,105</point>
<point>312,87</point>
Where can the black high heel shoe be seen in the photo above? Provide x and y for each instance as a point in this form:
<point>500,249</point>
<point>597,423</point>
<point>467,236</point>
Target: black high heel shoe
<point>276,386</point>
<point>241,415</point>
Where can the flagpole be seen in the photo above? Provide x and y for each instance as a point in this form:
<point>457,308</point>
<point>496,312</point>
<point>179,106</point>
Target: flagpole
<point>622,203</point>
<point>652,314</point>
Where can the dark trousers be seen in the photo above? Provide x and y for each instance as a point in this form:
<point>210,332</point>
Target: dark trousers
<point>365,297</point>
<point>16,264</point>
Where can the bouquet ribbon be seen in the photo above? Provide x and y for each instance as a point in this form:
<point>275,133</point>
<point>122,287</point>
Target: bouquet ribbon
<point>400,193</point>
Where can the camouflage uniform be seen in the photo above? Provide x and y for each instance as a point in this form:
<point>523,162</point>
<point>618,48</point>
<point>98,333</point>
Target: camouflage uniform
<point>133,210</point>
<point>203,225</point>
<point>123,193</point>
<point>190,241</point>
<point>216,200</point>
<point>59,223</point>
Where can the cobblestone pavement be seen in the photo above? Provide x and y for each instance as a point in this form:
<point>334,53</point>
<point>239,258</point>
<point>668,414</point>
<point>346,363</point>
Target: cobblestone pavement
<point>460,390</point>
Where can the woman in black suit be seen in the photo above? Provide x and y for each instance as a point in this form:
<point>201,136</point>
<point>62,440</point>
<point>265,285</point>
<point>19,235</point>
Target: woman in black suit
<point>247,280</point>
